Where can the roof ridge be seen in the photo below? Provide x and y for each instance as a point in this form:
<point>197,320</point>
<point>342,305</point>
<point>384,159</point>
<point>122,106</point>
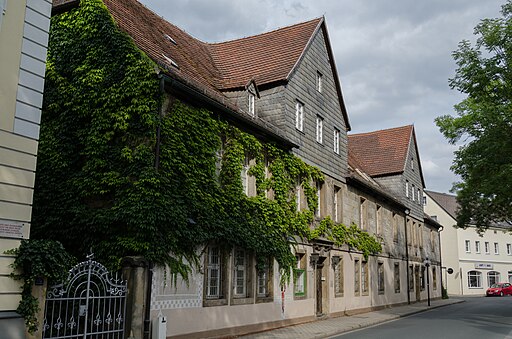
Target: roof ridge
<point>267,32</point>
<point>382,130</point>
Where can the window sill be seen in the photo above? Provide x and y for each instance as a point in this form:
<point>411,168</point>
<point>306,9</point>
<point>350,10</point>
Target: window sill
<point>338,295</point>
<point>214,302</point>
<point>242,301</point>
<point>260,300</point>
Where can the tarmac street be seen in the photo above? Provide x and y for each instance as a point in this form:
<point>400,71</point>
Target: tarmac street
<point>457,317</point>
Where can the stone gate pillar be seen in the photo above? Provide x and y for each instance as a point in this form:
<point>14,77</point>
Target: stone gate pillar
<point>135,271</point>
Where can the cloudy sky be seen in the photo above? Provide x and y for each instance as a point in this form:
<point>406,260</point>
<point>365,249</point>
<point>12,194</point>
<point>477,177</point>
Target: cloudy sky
<point>393,56</point>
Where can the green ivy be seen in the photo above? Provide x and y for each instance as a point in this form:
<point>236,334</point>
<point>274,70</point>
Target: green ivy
<point>97,186</point>
<point>37,259</point>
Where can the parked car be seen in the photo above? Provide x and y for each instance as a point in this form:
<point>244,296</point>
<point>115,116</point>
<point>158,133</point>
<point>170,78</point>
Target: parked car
<point>500,289</point>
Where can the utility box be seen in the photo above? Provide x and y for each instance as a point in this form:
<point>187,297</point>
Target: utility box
<point>159,327</point>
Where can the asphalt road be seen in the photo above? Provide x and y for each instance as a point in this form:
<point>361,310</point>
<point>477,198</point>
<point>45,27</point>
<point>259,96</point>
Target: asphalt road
<point>477,318</point>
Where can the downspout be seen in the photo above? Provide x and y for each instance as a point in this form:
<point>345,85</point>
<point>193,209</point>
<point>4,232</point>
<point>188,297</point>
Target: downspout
<point>441,261</point>
<point>149,267</point>
<point>407,257</point>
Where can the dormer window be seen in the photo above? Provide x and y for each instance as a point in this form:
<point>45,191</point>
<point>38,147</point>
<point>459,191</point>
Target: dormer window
<point>168,37</point>
<point>319,81</point>
<point>170,61</point>
<point>251,99</point>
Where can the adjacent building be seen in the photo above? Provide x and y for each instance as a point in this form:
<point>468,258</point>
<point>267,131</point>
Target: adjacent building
<point>24,26</point>
<point>472,260</point>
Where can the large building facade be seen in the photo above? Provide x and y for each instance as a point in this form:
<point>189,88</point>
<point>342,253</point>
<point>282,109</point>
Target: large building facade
<point>24,26</point>
<point>282,87</point>
<point>472,260</point>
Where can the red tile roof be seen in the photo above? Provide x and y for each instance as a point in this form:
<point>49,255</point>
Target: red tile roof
<point>381,152</point>
<point>212,68</point>
<point>266,58</point>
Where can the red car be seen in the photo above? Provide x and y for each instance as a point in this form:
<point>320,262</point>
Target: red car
<point>500,289</point>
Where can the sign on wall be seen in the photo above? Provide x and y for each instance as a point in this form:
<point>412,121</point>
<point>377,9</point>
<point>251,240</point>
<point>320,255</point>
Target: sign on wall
<point>12,229</point>
<point>484,266</point>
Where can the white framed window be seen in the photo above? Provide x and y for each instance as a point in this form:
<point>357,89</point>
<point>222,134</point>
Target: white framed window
<point>213,273</point>
<point>419,196</point>
<point>407,188</point>
<point>299,116</point>
<point>477,246</point>
<point>496,248</point>
<point>319,129</point>
<point>380,277</point>
<point>299,286</point>
<point>487,248</point>
<point>240,273</point>
<point>509,249</point>
<point>319,81</point>
<point>468,246</point>
<point>319,199</point>
<point>493,277</point>
<point>413,192</point>
<point>336,139</point>
<point>250,103</point>
<point>474,279</point>
<point>263,275</point>
<point>245,176</point>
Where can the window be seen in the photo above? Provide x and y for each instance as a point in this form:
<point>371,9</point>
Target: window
<point>299,116</point>
<point>477,246</point>
<point>493,277</point>
<point>419,196</point>
<point>357,276</point>
<point>395,227</point>
<point>319,80</point>
<point>264,280</point>
<point>411,278</point>
<point>319,200</point>
<point>487,250</point>
<point>396,274</point>
<point>240,273</point>
<point>510,276</point>
<point>2,10</point>
<point>407,188</point>
<point>251,103</point>
<point>380,277</point>
<point>336,141</point>
<point>364,278</point>
<point>338,276</point>
<point>509,249</point>
<point>422,278</point>
<point>412,164</point>
<point>496,248</point>
<point>319,129</point>
<point>362,213</point>
<point>336,204</point>
<point>434,278</point>
<point>299,286</point>
<point>245,176</point>
<point>378,219</point>
<point>474,279</point>
<point>298,197</point>
<point>468,246</point>
<point>413,192</point>
<point>214,273</point>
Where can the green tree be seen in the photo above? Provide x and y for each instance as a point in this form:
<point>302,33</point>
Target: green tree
<point>483,123</point>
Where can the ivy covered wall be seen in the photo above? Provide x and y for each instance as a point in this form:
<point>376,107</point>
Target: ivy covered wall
<point>97,187</point>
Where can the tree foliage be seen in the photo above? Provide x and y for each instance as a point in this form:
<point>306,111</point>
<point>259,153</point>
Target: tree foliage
<point>97,185</point>
<point>484,123</point>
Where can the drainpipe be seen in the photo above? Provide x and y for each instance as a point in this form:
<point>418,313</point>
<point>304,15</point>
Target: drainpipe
<point>407,212</point>
<point>441,261</point>
<point>149,267</point>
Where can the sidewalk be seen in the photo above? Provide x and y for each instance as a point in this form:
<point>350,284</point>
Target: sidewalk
<point>332,326</point>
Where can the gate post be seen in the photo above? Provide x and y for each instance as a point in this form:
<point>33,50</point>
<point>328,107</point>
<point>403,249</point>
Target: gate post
<point>38,292</point>
<point>135,272</point>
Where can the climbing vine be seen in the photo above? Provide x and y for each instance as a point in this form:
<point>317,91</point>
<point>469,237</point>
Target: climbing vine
<point>97,185</point>
<point>37,259</point>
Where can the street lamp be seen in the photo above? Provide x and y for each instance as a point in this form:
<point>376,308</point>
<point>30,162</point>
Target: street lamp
<point>427,265</point>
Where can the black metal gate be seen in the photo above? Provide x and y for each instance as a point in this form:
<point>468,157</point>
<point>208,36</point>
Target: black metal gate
<point>89,304</point>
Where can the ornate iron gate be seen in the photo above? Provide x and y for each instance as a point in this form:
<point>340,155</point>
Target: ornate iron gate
<point>89,304</point>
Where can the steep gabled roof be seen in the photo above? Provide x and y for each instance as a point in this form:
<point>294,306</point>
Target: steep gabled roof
<point>384,152</point>
<point>265,58</point>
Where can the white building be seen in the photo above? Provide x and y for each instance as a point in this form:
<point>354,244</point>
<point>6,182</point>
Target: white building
<point>471,261</point>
